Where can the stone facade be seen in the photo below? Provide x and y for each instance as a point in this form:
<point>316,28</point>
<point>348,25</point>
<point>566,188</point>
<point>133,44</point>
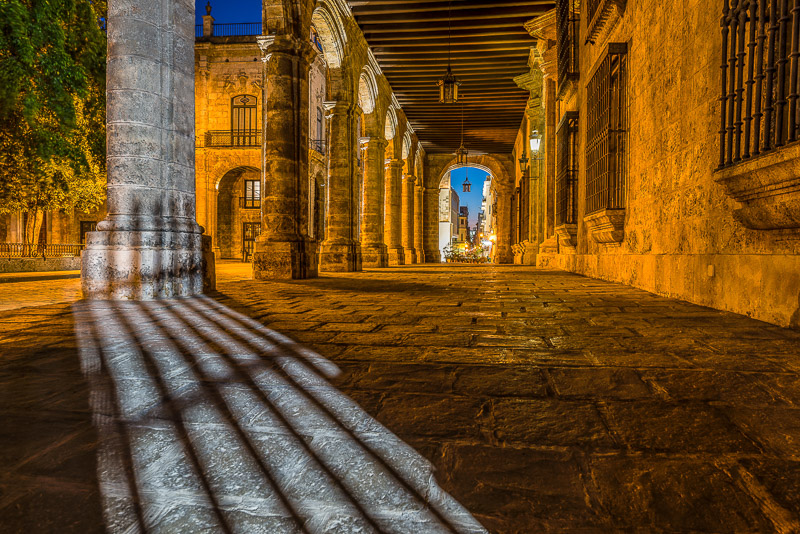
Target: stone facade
<point>679,233</point>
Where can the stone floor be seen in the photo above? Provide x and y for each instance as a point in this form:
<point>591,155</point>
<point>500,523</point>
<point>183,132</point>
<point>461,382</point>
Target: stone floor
<point>540,401</point>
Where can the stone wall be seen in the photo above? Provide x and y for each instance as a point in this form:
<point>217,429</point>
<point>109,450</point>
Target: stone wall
<point>680,236</point>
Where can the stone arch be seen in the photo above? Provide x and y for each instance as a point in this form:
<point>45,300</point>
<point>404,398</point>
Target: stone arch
<point>330,28</point>
<point>231,212</point>
<point>390,130</point>
<point>406,150</point>
<point>444,180</point>
<point>367,91</point>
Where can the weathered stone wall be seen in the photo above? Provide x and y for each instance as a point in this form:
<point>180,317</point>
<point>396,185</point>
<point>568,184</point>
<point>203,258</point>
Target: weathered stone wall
<point>680,236</point>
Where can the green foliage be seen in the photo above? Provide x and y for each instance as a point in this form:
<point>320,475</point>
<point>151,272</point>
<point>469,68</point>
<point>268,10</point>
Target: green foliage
<point>52,105</point>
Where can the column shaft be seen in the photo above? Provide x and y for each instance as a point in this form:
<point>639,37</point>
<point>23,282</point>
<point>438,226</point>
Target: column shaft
<point>430,221</point>
<point>373,249</point>
<point>393,212</point>
<point>150,245</point>
<point>419,228</point>
<point>340,252</point>
<point>408,219</point>
<point>283,250</point>
<point>503,218</point>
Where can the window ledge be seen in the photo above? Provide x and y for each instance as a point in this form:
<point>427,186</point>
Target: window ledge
<point>607,226</point>
<point>567,235</point>
<point>768,188</point>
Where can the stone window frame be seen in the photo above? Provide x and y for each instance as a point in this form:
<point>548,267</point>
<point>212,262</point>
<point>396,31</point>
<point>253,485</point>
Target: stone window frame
<point>567,168</point>
<point>245,136</point>
<point>567,31</point>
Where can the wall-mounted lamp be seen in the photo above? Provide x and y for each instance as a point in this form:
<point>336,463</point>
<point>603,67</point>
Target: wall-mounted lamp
<point>536,141</point>
<point>523,163</point>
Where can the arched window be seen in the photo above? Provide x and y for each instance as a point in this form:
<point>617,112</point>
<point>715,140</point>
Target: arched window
<point>244,121</point>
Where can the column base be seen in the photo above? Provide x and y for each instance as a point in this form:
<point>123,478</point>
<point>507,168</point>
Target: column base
<point>410,256</point>
<point>374,255</point>
<point>503,255</point>
<point>340,257</point>
<point>396,256</point>
<point>142,265</point>
<point>285,260</point>
<point>433,256</point>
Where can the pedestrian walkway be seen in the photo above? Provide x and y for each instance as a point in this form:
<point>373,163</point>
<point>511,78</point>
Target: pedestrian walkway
<point>409,399</point>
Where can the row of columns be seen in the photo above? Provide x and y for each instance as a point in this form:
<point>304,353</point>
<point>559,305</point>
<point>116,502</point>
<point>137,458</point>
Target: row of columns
<point>150,245</point>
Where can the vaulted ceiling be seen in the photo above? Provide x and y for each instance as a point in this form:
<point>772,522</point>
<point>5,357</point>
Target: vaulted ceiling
<point>489,48</point>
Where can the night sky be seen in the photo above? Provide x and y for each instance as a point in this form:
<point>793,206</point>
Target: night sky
<point>230,10</point>
<point>250,11</point>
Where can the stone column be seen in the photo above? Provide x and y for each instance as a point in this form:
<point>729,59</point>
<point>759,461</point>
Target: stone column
<point>430,223</point>
<point>503,218</point>
<point>283,251</point>
<point>373,250</point>
<point>341,251</point>
<point>149,246</point>
<point>408,219</point>
<point>393,212</point>
<point>419,227</point>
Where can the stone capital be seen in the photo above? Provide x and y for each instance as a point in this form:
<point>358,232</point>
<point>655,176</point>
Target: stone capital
<point>286,45</point>
<point>409,178</point>
<point>395,164</point>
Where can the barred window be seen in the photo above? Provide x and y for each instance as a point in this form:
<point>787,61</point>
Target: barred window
<point>607,131</point>
<point>567,171</point>
<point>567,40</point>
<point>760,72</point>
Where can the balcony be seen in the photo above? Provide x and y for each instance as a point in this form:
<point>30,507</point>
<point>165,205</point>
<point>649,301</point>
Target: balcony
<point>232,139</point>
<point>234,29</point>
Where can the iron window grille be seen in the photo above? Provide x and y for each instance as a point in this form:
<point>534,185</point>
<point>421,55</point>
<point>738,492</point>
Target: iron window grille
<point>759,97</point>
<point>607,131</point>
<point>567,170</point>
<point>567,40</point>
<point>252,195</point>
<point>244,121</point>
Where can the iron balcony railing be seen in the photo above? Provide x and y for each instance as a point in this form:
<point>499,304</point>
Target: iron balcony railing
<point>760,71</point>
<point>233,138</point>
<point>233,29</point>
<point>26,250</point>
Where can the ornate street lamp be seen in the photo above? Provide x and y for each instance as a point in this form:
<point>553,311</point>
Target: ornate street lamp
<point>449,84</point>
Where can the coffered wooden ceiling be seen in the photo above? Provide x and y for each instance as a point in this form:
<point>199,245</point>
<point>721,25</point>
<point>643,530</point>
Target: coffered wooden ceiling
<point>489,48</point>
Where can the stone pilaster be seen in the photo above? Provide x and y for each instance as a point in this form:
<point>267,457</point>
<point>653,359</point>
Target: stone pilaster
<point>149,246</point>
<point>408,219</point>
<point>373,249</point>
<point>283,250</point>
<point>341,250</point>
<point>430,223</point>
<point>393,212</point>
<point>503,221</point>
<point>419,226</point>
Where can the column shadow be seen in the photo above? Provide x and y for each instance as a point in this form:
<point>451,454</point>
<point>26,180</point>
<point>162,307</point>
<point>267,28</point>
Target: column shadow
<point>209,421</point>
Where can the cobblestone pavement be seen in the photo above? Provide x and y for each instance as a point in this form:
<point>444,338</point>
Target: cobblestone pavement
<point>545,401</point>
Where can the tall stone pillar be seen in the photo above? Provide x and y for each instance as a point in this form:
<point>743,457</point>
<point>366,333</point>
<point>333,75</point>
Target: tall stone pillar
<point>393,212</point>
<point>283,250</point>
<point>341,250</point>
<point>419,227</point>
<point>149,246</point>
<point>408,219</point>
<point>373,250</point>
<point>430,223</point>
<point>503,218</point>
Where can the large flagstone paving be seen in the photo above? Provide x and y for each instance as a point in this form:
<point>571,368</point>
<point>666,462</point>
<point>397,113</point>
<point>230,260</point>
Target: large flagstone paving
<point>543,402</point>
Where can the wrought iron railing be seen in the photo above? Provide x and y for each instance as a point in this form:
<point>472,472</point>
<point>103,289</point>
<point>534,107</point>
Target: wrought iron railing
<point>318,145</point>
<point>25,250</point>
<point>567,170</point>
<point>607,131</point>
<point>249,203</point>
<point>232,29</point>
<point>567,39</point>
<point>233,138</point>
<point>759,101</point>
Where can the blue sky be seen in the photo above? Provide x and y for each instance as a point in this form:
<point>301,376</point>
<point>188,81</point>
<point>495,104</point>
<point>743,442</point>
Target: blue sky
<point>472,199</point>
<point>230,10</point>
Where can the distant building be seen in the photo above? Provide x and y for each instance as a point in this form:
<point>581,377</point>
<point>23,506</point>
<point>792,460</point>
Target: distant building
<point>463,224</point>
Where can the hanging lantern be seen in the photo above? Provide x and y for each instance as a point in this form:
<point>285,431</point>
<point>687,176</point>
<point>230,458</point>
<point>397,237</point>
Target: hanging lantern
<point>448,88</point>
<point>461,155</point>
<point>523,163</point>
<point>467,187</point>
<point>449,84</point>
